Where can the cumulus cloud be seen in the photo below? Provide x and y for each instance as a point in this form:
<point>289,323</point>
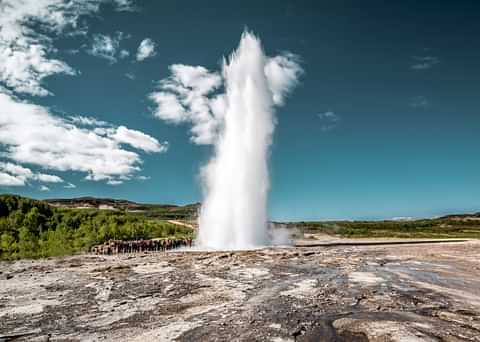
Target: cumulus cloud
<point>44,188</point>
<point>107,47</point>
<point>14,175</point>
<point>169,107</point>
<point>424,62</point>
<point>146,49</point>
<point>17,175</point>
<point>282,73</point>
<point>49,178</point>
<point>33,135</point>
<point>329,120</point>
<point>124,53</point>
<point>192,94</point>
<point>184,97</point>
<point>138,140</point>
<point>70,186</point>
<point>28,28</point>
<point>16,170</point>
<point>9,180</point>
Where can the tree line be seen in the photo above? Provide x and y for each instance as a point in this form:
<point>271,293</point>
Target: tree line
<point>31,228</point>
<point>421,228</point>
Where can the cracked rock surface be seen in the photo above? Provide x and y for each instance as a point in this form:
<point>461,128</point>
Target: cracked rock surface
<point>428,292</point>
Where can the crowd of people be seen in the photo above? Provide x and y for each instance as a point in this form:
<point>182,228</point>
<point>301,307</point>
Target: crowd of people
<point>136,246</point>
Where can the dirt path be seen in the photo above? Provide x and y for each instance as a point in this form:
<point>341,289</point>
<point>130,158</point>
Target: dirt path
<point>180,223</point>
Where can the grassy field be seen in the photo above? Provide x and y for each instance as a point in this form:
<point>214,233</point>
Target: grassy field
<point>459,226</point>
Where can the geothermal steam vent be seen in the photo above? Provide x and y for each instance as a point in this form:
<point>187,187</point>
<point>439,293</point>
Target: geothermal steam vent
<point>235,112</point>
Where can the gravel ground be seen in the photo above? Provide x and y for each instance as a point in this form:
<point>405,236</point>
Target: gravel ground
<point>427,292</point>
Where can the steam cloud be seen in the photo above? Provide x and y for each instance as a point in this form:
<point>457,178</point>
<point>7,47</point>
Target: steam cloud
<point>239,122</point>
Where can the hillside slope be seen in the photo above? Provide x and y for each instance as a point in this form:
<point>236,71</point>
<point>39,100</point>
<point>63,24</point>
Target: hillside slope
<point>165,211</point>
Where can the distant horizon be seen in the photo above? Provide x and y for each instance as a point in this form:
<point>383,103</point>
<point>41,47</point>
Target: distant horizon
<point>323,219</point>
<point>382,122</point>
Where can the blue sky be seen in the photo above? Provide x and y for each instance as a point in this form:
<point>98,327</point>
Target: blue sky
<point>383,122</point>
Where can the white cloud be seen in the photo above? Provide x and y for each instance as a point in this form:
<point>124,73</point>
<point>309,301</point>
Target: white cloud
<point>48,178</point>
<point>9,180</point>
<point>124,53</point>
<point>107,47</point>
<point>169,107</point>
<point>184,97</point>
<point>87,121</point>
<point>424,62</point>
<point>70,186</point>
<point>114,182</point>
<point>329,120</point>
<point>138,140</point>
<point>146,49</point>
<point>282,73</point>
<point>16,175</point>
<point>24,65</point>
<point>191,95</point>
<point>28,28</point>
<point>32,135</point>
<point>44,188</point>
<point>16,170</point>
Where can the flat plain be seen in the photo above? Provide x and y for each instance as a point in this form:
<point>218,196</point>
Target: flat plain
<point>409,292</point>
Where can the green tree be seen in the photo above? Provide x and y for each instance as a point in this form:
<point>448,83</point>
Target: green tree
<point>27,244</point>
<point>8,245</point>
<point>34,220</point>
<point>55,243</point>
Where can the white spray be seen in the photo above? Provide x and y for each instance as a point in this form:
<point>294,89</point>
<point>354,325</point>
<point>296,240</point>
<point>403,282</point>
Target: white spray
<point>236,182</point>
<point>234,212</point>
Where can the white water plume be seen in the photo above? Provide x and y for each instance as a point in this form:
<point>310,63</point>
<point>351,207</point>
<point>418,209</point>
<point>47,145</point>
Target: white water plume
<point>239,123</point>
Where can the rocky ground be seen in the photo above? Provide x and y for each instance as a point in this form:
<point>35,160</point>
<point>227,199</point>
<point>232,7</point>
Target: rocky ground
<point>427,292</point>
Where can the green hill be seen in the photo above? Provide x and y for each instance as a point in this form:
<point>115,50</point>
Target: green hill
<point>31,228</point>
<point>160,211</point>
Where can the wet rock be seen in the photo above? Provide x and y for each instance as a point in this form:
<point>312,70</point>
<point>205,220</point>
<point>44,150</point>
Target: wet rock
<point>298,332</point>
<point>41,338</point>
<point>237,295</point>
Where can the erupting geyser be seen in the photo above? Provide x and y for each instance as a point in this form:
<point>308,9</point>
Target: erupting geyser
<point>239,123</point>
